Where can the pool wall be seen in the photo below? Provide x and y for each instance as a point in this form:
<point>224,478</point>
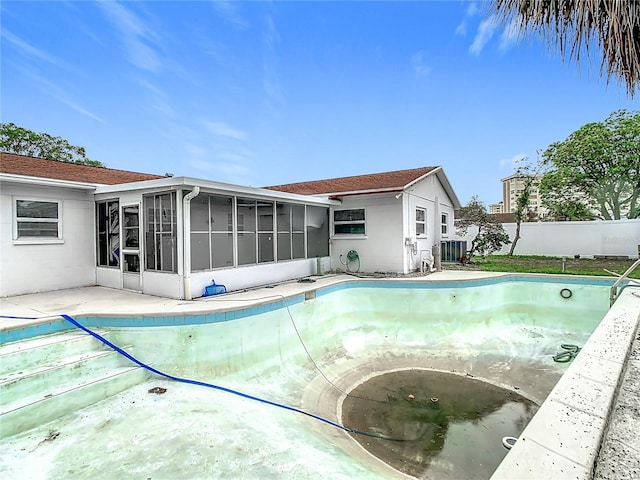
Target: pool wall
<point>564,438</point>
<point>507,319</point>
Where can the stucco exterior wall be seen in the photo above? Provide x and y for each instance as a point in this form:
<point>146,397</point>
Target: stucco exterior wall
<point>587,239</point>
<point>30,268</point>
<point>255,275</point>
<point>391,243</point>
<point>430,195</point>
<point>381,249</point>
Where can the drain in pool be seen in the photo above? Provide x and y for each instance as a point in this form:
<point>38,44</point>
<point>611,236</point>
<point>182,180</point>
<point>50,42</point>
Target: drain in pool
<point>436,424</point>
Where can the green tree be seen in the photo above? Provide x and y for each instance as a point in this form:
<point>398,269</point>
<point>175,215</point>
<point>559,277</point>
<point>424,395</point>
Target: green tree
<point>528,175</point>
<point>597,167</point>
<point>610,26</point>
<point>18,140</point>
<point>491,236</point>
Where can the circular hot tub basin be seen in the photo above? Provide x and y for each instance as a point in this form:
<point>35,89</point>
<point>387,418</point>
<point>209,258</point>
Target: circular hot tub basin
<point>433,424</point>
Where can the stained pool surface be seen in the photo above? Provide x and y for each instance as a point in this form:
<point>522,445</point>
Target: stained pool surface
<point>436,425</point>
<point>305,353</point>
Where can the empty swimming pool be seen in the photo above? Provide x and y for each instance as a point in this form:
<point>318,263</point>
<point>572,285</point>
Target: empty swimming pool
<point>305,352</point>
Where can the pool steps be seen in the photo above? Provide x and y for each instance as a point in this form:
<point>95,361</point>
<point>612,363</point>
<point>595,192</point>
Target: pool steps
<point>47,377</point>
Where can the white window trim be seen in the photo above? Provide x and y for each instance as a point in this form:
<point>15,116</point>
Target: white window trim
<point>348,235</point>
<point>422,222</point>
<point>444,224</point>
<point>35,240</point>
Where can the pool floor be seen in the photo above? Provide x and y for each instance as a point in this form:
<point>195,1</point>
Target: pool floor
<point>197,432</point>
<point>435,424</point>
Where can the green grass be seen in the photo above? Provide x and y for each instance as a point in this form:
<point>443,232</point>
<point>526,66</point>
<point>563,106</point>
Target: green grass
<point>553,265</point>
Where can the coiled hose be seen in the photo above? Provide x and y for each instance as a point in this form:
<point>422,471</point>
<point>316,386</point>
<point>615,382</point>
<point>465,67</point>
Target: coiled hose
<point>570,352</point>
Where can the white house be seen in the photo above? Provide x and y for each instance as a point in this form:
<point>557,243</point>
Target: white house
<point>391,220</point>
<point>64,225</point>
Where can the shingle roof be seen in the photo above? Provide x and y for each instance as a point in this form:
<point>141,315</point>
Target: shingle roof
<point>42,168</point>
<point>358,183</point>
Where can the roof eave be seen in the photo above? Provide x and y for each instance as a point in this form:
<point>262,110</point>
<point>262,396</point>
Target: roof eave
<point>220,187</point>
<point>50,182</point>
<point>444,181</point>
<point>447,187</point>
<point>366,192</point>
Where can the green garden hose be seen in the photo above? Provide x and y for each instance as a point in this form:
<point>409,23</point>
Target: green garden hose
<point>570,352</point>
<point>352,256</point>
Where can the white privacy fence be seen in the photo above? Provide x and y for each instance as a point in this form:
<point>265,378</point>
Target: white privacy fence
<point>587,239</point>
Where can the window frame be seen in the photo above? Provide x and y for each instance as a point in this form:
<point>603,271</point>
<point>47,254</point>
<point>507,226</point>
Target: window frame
<point>158,228</point>
<point>17,239</point>
<point>216,204</point>
<point>362,222</point>
<point>444,223</point>
<point>423,222</point>
<point>107,236</point>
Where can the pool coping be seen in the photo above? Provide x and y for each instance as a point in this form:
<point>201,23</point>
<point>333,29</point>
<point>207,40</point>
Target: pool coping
<point>564,438</point>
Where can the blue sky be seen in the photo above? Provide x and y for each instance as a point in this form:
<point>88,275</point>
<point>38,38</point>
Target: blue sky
<point>264,93</point>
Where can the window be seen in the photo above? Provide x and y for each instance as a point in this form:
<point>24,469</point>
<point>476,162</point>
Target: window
<point>290,227</point>
<point>421,221</point>
<point>444,223</point>
<point>130,227</point>
<point>160,232</point>
<point>37,219</point>
<point>349,222</point>
<point>317,231</point>
<point>246,213</point>
<point>221,231</point>
<point>108,225</point>
<point>211,232</point>
<point>265,231</point>
<point>453,251</point>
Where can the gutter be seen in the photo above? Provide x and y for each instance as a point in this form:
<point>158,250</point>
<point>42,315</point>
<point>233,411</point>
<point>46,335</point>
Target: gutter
<point>186,221</point>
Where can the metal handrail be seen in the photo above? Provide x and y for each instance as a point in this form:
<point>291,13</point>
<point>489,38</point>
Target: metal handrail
<point>613,295</point>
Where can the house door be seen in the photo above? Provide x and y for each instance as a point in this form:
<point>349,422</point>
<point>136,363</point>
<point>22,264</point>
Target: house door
<point>131,247</point>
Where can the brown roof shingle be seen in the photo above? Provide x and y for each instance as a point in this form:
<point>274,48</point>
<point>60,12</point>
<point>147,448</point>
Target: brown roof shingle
<point>357,183</point>
<point>42,168</point>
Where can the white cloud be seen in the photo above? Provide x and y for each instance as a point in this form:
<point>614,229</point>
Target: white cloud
<point>139,39</point>
<point>511,163</point>
<point>462,28</point>
<point>157,99</point>
<point>420,67</point>
<point>28,50</point>
<point>483,35</point>
<point>229,12</point>
<point>61,95</point>
<point>472,9</point>
<point>223,130</point>
<point>271,82</point>
<point>509,36</point>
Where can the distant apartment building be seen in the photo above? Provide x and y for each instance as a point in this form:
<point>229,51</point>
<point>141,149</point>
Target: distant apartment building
<point>512,186</point>
<point>496,208</point>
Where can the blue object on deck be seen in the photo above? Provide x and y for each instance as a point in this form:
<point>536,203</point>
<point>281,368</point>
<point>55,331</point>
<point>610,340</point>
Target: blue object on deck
<point>214,289</point>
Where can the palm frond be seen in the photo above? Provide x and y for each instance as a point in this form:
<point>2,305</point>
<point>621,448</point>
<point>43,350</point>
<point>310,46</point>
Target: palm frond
<point>571,25</point>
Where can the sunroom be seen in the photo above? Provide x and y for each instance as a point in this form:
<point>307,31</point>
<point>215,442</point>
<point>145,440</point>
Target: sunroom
<point>175,236</point>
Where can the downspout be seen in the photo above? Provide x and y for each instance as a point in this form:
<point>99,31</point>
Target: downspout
<point>437,227</point>
<point>186,216</point>
<point>408,265</point>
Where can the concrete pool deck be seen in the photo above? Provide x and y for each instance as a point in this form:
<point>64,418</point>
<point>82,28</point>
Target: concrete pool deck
<point>605,380</point>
